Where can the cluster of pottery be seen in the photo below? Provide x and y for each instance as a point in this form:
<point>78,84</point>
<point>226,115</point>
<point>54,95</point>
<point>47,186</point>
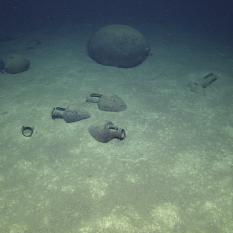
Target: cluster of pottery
<point>113,45</point>
<point>104,132</point>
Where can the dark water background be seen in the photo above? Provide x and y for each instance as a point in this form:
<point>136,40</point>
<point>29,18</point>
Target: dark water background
<point>212,17</point>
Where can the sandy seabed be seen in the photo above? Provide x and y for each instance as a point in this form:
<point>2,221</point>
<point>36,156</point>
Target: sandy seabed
<point>172,174</point>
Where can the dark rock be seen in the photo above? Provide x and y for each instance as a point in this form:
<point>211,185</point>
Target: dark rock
<point>16,63</point>
<point>118,45</point>
<point>2,66</point>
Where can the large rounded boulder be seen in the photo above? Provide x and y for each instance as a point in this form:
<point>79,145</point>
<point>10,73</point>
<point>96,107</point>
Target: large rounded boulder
<point>118,45</point>
<point>2,65</point>
<point>16,63</point>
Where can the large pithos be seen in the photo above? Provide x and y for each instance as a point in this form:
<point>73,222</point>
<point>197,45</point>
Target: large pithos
<point>118,45</point>
<point>16,63</point>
